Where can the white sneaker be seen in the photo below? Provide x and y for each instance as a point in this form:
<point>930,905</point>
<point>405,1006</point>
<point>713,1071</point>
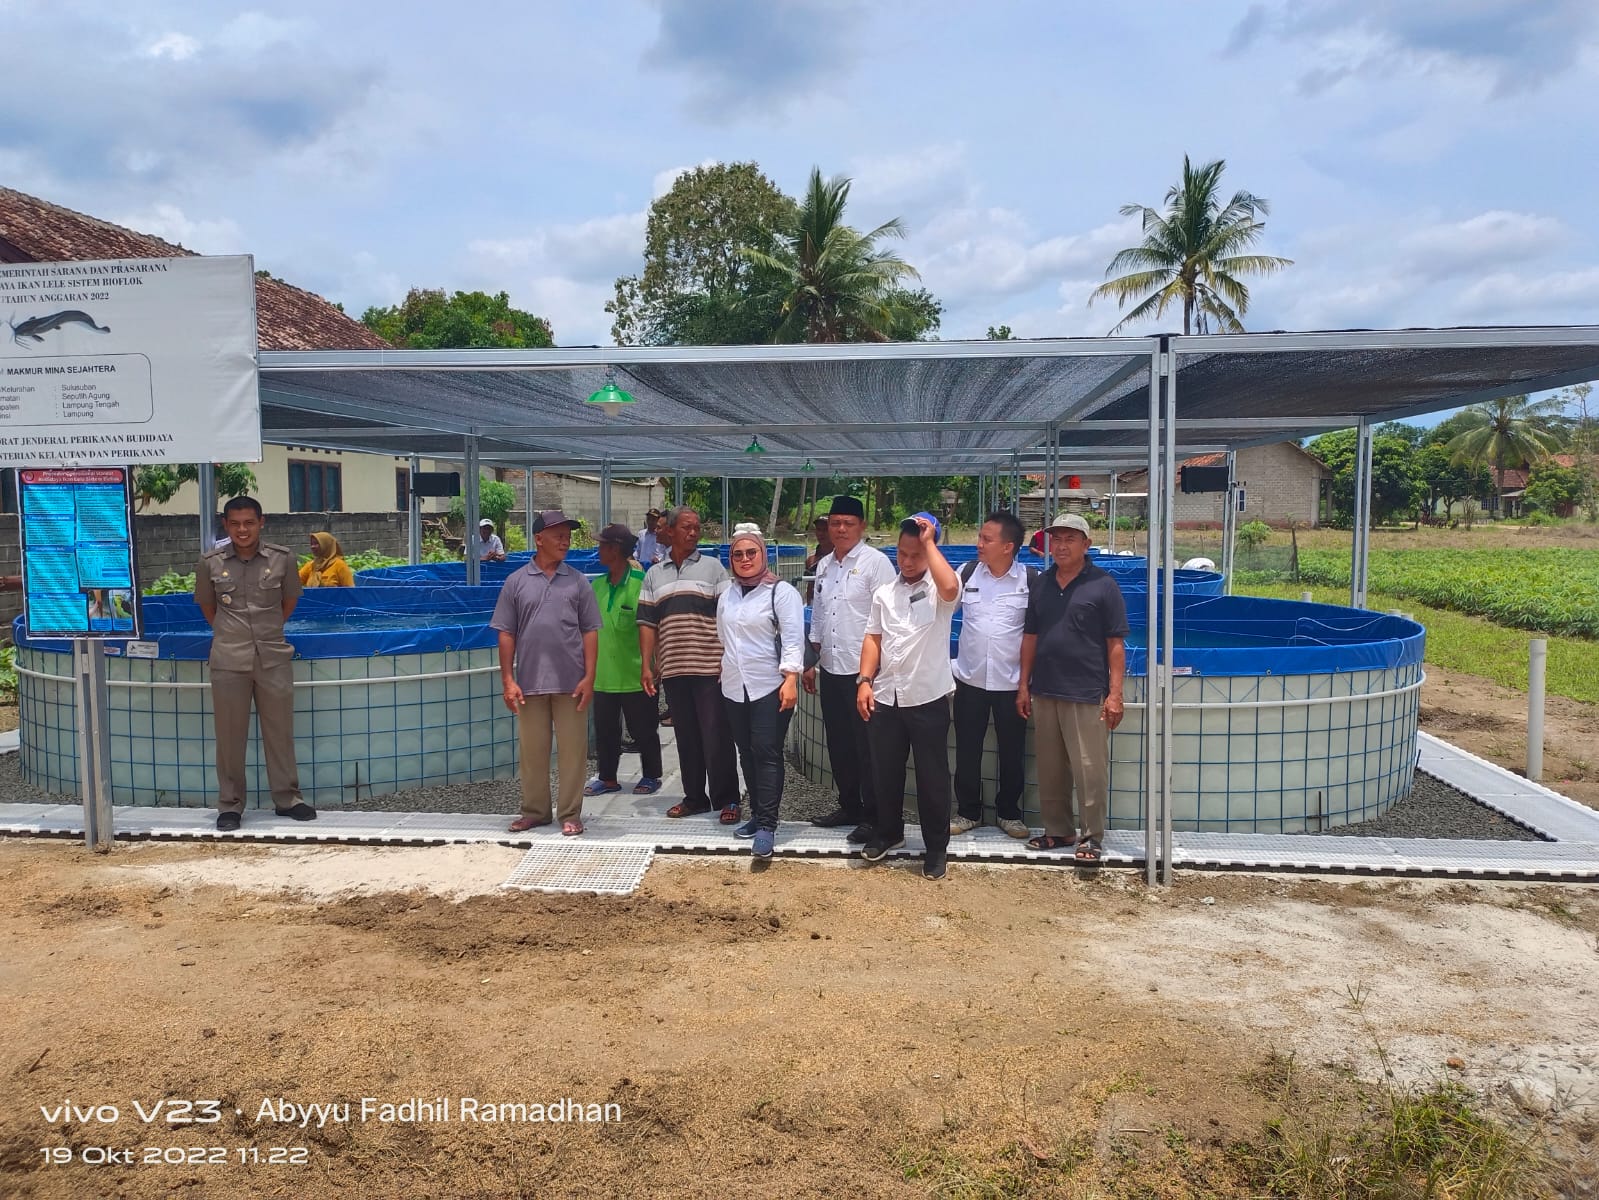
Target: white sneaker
<point>959,824</point>
<point>1017,829</point>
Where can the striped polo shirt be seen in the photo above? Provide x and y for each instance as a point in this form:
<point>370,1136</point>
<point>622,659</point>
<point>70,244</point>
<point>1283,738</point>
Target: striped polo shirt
<point>679,603</point>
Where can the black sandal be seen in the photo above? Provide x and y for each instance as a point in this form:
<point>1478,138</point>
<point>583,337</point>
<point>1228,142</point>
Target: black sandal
<point>1089,852</point>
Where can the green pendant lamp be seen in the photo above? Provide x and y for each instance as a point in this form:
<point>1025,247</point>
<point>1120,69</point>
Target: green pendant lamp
<point>610,398</point>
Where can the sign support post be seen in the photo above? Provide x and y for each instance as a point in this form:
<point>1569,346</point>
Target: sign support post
<point>92,698</point>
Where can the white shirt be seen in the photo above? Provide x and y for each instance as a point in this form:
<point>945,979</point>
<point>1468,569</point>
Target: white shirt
<point>914,623</point>
<point>841,603</point>
<point>994,610</point>
<point>492,546</point>
<point>649,548</point>
<point>752,665</point>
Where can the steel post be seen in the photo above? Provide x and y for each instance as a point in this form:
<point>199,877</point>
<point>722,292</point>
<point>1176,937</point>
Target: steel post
<point>413,528</point>
<point>474,566</point>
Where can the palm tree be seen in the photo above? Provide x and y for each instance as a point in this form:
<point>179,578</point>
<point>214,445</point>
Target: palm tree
<point>835,284</point>
<point>1191,253</point>
<point>1507,432</point>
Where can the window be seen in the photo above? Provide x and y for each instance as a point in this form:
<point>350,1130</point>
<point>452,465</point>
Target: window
<point>315,487</point>
<point>402,488</point>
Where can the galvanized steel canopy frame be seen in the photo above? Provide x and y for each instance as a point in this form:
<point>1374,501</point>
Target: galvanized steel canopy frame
<point>928,408</point>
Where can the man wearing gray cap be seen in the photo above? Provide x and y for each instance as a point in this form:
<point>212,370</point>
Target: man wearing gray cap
<point>549,622</point>
<point>1073,659</point>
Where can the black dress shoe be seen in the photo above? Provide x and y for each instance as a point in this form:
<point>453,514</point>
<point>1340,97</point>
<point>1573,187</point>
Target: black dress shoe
<point>300,812</point>
<point>861,834</point>
<point>837,819</point>
<point>934,866</point>
<point>227,822</point>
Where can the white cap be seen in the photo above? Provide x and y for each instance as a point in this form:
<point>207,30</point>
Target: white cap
<point>1070,520</point>
<point>485,521</point>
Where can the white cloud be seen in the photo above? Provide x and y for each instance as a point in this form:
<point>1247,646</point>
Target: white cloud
<point>1448,248</point>
<point>975,252</point>
<point>168,221</point>
<point>1509,297</point>
<point>931,174</point>
<point>251,32</point>
<point>563,272</point>
<point>175,46</point>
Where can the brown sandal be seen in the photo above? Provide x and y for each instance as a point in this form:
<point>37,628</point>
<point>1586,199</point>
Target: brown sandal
<point>683,810</point>
<point>1048,841</point>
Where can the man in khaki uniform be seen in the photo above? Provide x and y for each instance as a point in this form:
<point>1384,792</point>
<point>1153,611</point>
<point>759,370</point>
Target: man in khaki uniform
<point>247,589</point>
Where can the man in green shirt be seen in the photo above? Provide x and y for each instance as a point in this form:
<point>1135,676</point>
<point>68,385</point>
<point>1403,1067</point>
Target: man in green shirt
<point>618,685</point>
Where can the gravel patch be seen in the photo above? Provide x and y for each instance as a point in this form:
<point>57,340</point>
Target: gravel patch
<point>1435,810</point>
<point>1432,810</point>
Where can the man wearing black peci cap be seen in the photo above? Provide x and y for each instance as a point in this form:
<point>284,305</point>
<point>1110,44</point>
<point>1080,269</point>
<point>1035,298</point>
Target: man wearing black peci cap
<point>845,581</point>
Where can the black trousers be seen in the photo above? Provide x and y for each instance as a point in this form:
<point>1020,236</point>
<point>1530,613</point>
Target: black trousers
<point>704,741</point>
<point>759,731</point>
<point>849,749</point>
<point>919,733</point>
<point>973,707</point>
<point>639,709</point>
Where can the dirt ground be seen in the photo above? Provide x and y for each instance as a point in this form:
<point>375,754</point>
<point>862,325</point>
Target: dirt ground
<point>1490,720</point>
<point>814,1029</point>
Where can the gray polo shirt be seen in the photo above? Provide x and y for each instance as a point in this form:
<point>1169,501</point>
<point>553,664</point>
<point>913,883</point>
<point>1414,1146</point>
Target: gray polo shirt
<point>1072,624</point>
<point>548,616</point>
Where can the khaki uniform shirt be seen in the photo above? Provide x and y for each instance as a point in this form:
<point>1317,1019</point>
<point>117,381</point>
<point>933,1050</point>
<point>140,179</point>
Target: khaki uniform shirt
<point>248,595</point>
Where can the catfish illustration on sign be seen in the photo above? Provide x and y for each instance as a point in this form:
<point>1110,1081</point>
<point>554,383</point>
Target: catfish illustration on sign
<point>35,328</point>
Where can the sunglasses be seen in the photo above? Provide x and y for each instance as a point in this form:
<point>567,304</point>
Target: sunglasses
<point>746,554</point>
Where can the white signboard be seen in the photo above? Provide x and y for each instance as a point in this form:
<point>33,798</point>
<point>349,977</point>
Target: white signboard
<point>140,360</point>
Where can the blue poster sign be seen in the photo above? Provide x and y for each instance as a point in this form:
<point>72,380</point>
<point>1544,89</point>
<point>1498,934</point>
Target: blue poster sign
<point>79,578</point>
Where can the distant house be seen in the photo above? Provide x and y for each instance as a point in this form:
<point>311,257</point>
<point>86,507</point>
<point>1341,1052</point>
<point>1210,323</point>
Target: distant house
<point>1282,483</point>
<point>290,479</point>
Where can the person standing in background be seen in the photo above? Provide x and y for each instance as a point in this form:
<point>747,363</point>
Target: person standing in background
<point>846,578</point>
<point>761,623</point>
<point>246,589</point>
<point>327,567</point>
<point>549,622</point>
<point>682,655</point>
<point>903,693</point>
<point>1074,658</point>
<point>994,595</point>
<point>650,551</point>
<point>618,687</point>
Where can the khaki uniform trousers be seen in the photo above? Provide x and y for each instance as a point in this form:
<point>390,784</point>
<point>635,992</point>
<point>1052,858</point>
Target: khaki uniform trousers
<point>1071,747</point>
<point>538,717</point>
<point>271,689</point>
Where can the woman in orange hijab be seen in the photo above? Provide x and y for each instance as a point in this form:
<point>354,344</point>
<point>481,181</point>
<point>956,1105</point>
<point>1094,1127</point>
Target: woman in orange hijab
<point>327,567</point>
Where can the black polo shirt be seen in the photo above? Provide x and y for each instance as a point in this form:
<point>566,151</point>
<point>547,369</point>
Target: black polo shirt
<point>1072,624</point>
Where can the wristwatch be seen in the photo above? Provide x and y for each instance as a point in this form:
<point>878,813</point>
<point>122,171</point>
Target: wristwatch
<point>860,679</point>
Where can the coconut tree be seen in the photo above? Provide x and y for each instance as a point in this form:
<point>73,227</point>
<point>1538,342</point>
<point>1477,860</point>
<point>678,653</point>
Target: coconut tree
<point>1507,432</point>
<point>1192,253</point>
<point>834,284</point>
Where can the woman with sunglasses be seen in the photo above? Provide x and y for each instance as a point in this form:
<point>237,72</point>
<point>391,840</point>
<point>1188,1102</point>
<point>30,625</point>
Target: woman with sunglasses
<point>761,623</point>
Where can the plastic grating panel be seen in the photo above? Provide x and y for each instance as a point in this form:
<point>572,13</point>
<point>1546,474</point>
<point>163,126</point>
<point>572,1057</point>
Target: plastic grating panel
<point>600,868</point>
<point>1527,803</point>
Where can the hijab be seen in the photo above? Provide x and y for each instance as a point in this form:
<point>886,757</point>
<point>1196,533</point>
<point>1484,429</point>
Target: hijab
<point>752,533</point>
<point>327,549</point>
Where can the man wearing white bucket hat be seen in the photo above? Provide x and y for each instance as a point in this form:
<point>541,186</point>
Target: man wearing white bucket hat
<point>1073,659</point>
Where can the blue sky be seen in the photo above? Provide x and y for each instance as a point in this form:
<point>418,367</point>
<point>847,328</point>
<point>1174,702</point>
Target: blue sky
<point>1428,162</point>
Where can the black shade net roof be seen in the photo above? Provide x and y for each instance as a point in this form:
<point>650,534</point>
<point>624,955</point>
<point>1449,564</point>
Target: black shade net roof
<point>900,408</point>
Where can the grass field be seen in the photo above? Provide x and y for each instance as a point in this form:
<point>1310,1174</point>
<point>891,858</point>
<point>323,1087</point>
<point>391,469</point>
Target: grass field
<point>1472,644</point>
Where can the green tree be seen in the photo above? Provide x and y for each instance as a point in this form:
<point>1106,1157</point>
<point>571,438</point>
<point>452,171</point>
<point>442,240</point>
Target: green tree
<point>1000,333</point>
<point>1509,432</point>
<point>1395,489</point>
<point>832,283</point>
<point>495,501</point>
<point>696,287</point>
<point>429,320</point>
<point>1192,254</point>
<point>1554,489</point>
<point>1448,482</point>
<point>1585,445</point>
<point>1412,435</point>
<point>158,484</point>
